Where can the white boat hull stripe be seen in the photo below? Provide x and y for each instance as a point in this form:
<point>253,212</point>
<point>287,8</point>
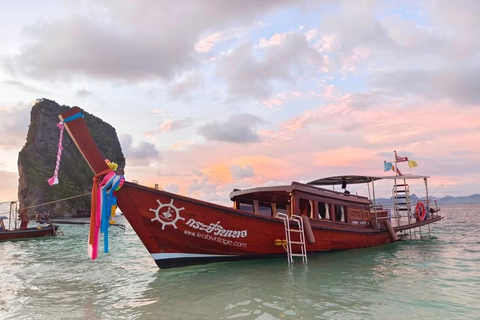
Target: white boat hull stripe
<point>163,256</point>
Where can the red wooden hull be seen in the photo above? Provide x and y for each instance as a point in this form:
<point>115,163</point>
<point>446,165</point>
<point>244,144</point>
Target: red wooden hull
<point>180,231</point>
<point>28,233</point>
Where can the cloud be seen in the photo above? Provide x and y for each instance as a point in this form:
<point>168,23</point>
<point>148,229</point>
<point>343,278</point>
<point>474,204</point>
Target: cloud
<point>362,30</point>
<point>8,185</point>
<point>359,79</point>
<point>182,88</point>
<point>273,103</point>
<point>240,128</point>
<point>251,73</point>
<point>459,84</point>
<point>206,44</point>
<point>338,117</point>
<point>461,152</point>
<point>278,100</point>
<point>83,93</point>
<point>207,187</point>
<point>461,24</point>
<point>181,144</point>
<point>311,34</point>
<point>171,187</point>
<point>197,173</point>
<point>239,172</point>
<point>143,154</point>
<point>342,157</point>
<point>328,146</point>
<point>128,41</point>
<point>157,111</point>
<point>20,85</point>
<point>172,125</point>
<point>14,128</point>
<point>424,50</point>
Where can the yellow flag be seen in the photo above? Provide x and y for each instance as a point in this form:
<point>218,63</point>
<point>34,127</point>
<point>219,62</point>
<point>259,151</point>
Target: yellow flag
<point>412,164</point>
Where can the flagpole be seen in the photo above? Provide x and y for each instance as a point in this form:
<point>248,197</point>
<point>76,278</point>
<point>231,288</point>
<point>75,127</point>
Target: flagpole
<point>397,171</point>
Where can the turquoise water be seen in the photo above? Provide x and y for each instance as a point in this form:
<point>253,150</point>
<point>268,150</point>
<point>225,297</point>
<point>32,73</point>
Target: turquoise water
<point>435,278</point>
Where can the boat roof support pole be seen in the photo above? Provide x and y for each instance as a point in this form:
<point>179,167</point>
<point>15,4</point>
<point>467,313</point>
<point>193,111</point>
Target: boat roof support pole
<point>293,206</point>
<point>368,187</point>
<point>409,206</point>
<point>12,216</point>
<point>374,203</point>
<point>426,192</point>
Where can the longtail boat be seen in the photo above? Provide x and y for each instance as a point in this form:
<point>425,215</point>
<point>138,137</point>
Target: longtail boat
<point>26,233</point>
<point>32,232</point>
<point>292,221</point>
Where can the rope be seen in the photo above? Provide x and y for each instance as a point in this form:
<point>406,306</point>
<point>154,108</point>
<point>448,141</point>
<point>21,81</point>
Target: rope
<point>43,204</point>
<point>436,191</point>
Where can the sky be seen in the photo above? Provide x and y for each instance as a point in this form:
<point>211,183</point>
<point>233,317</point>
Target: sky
<point>207,96</point>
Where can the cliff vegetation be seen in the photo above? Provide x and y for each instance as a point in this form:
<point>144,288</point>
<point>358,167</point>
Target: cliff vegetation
<point>36,163</point>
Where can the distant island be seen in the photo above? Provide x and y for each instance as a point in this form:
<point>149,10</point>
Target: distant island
<point>474,198</point>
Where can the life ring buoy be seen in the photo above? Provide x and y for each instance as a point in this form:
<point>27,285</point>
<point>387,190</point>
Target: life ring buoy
<point>420,211</point>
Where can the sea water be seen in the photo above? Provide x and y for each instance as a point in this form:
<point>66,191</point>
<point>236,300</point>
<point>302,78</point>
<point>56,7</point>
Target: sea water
<point>434,278</point>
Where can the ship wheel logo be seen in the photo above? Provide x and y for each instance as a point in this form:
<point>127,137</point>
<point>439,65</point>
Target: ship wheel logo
<point>167,214</point>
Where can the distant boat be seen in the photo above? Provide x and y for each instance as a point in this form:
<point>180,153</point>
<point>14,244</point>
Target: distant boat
<point>26,233</point>
<point>290,220</point>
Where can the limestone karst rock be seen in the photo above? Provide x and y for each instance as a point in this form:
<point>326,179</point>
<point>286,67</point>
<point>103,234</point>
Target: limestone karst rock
<point>36,163</point>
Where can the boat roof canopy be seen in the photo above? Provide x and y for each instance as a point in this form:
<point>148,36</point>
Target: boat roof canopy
<point>3,218</point>
<point>282,194</point>
<point>353,179</point>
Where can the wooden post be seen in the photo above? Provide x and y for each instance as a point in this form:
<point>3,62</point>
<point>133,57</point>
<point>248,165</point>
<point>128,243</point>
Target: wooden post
<point>274,210</point>
<point>391,232</point>
<point>255,207</point>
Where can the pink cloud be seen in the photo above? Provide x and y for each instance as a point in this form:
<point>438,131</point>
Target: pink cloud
<point>8,185</point>
<point>341,157</point>
<point>311,34</point>
<point>207,43</point>
<point>275,40</point>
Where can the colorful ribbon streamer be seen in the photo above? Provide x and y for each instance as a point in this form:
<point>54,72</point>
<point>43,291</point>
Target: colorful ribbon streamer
<point>102,201</point>
<point>61,125</point>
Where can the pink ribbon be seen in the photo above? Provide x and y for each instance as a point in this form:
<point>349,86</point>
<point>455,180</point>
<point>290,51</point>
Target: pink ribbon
<point>54,180</point>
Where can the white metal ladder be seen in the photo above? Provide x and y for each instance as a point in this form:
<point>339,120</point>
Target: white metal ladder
<point>298,222</point>
<point>401,200</point>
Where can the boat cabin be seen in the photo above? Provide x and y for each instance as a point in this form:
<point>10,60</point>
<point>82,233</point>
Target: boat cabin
<point>304,200</point>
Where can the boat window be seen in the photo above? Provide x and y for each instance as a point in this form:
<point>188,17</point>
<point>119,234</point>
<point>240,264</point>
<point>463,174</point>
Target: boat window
<point>264,209</point>
<point>323,212</point>
<point>246,207</point>
<point>282,208</point>
<point>305,207</point>
<point>339,213</point>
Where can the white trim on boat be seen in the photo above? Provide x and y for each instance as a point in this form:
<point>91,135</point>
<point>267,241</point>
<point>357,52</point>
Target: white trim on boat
<point>164,256</point>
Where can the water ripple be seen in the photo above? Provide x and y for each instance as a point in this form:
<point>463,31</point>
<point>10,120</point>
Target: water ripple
<point>437,278</point>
